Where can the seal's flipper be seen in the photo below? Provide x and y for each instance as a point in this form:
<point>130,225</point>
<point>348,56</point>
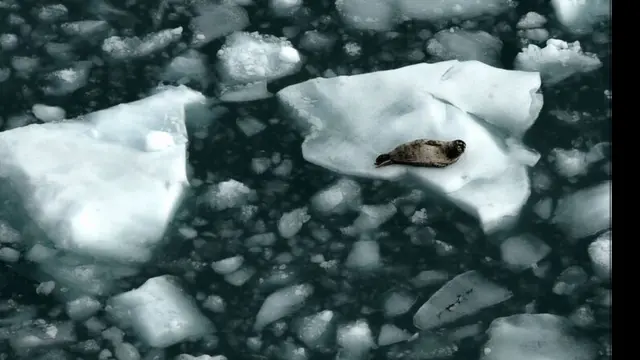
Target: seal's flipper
<point>383,160</point>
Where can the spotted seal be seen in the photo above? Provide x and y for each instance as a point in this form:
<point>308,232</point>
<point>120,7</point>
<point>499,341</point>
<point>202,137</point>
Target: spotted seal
<point>424,153</point>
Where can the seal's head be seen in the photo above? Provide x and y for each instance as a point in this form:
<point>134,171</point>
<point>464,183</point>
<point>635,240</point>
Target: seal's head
<point>456,148</point>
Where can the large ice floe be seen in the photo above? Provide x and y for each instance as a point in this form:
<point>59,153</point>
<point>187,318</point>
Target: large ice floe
<point>103,187</point>
<point>348,120</point>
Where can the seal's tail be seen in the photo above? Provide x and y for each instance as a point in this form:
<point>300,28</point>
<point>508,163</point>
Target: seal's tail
<point>383,160</point>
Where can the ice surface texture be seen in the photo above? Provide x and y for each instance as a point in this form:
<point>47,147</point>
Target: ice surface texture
<point>536,337</point>
<point>160,313</point>
<point>93,185</point>
<point>349,120</point>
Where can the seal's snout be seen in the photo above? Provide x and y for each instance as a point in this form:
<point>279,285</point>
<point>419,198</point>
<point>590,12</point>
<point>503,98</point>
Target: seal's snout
<point>382,160</point>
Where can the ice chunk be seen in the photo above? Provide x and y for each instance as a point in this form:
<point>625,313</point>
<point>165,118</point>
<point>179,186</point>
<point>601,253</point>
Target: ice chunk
<point>160,313</point>
<point>228,265</point>
<point>189,67</point>
<point>38,336</point>
<point>364,256</point>
<point>523,251</point>
<point>83,308</point>
<point>9,255</point>
<point>579,16</point>
<point>215,21</point>
<point>47,113</point>
<point>120,48</point>
<point>8,234</point>
<point>397,303</point>
<point>355,340</point>
<point>250,126</point>
<point>89,30</point>
<point>282,303</point>
<point>250,57</point>
<point>570,280</point>
<point>291,222</point>
<point>92,188</point>
<point>585,212</point>
<point>531,20</point>
<point>391,334</point>
<point>372,216</point>
<point>438,10</point>
<point>126,351</point>
<point>66,81</point>
<point>458,44</point>
<point>464,295</point>
<point>600,255</point>
<point>316,330</point>
<point>284,7</point>
<point>337,198</point>
<point>557,61</point>
<point>375,15</point>
<point>341,118</point>
<point>536,336</point>
<point>51,13</point>
<point>229,194</point>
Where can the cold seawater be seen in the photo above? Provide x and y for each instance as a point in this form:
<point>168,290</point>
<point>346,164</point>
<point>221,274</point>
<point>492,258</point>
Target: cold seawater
<point>194,180</point>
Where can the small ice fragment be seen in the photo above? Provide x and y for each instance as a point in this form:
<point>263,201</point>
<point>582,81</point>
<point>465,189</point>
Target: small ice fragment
<point>282,303</point>
<point>600,254</point>
<point>391,334</point>
<point>291,222</point>
<point>364,256</point>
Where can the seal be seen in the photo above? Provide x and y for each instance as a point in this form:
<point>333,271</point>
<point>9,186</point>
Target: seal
<point>424,153</point>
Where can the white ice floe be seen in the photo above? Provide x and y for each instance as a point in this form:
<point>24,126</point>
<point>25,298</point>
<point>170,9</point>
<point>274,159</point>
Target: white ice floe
<point>585,212</point>
<point>160,313</point>
<point>557,61</point>
<point>348,120</point>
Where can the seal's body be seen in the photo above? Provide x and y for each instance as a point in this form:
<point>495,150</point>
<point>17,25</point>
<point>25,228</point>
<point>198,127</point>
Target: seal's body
<point>424,153</point>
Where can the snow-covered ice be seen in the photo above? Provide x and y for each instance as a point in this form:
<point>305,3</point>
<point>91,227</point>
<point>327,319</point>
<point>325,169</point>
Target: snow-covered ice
<point>536,336</point>
<point>160,313</point>
<point>557,61</point>
<point>430,101</point>
<point>464,295</point>
<point>585,212</point>
<point>90,185</point>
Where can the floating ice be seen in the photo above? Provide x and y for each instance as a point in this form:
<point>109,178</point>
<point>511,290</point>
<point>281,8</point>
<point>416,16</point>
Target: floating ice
<point>579,16</point>
<point>585,212</point>
<point>93,189</point>
<point>536,336</point>
<point>570,280</point>
<point>247,61</point>
<point>557,61</point>
<point>397,303</point>
<point>438,10</point>
<point>291,222</point>
<point>600,255</point>
<point>9,255</point>
<point>88,30</point>
<point>282,303</point>
<point>284,7</point>
<point>523,251</point>
<point>48,113</point>
<point>228,265</point>
<point>316,330</point>
<point>458,44</point>
<point>341,196</point>
<point>83,308</point>
<point>464,295</point>
<point>215,21</point>
<point>119,48</point>
<point>160,313</point>
<point>391,334</point>
<point>66,81</point>
<point>364,256</point>
<point>341,118</point>
<point>250,126</point>
<point>531,20</point>
<point>189,67</point>
<point>378,15</point>
<point>372,216</point>
<point>355,340</point>
<point>29,338</point>
<point>228,194</point>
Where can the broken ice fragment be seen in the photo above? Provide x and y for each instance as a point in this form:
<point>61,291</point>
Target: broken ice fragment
<point>557,61</point>
<point>215,21</point>
<point>189,67</point>
<point>66,81</point>
<point>377,15</point>
<point>536,336</point>
<point>126,48</point>
<point>600,254</point>
<point>337,198</point>
<point>228,194</point>
<point>316,330</point>
<point>282,303</point>
<point>439,10</point>
<point>570,280</point>
<point>391,334</point>
<point>585,212</point>
<point>32,337</point>
<point>464,295</point>
<point>355,340</point>
<point>531,20</point>
<point>523,251</point>
<point>397,303</point>
<point>291,222</point>
<point>464,45</point>
<point>364,256</point>
<point>160,313</point>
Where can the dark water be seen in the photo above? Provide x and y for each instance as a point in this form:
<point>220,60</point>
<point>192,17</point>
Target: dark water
<point>227,154</point>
